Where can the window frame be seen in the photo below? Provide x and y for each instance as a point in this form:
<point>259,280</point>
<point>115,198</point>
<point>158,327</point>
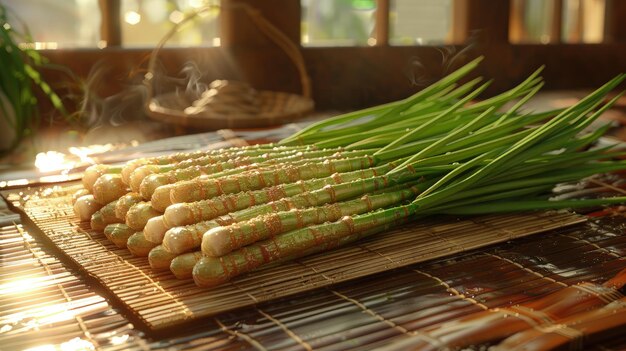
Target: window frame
<point>353,77</point>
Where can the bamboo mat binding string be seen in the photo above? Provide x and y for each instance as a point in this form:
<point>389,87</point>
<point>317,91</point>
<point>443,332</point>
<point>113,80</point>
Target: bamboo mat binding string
<point>162,301</point>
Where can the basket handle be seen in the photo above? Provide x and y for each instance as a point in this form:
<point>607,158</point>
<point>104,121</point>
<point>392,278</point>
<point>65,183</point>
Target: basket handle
<point>273,33</point>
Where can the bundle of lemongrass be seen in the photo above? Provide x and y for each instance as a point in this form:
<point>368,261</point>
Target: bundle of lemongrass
<point>216,214</point>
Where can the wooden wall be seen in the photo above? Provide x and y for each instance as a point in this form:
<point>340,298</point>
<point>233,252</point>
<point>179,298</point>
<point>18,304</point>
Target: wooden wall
<point>352,77</point>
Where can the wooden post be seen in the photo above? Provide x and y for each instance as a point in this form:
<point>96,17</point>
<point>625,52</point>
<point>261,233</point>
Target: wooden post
<point>487,18</point>
<point>259,60</point>
<point>614,27</point>
<point>237,30</point>
<point>382,23</point>
<point>556,29</point>
<point>110,29</point>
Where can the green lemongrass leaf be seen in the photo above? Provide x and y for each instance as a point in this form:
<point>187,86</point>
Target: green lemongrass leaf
<point>520,90</point>
<point>519,104</point>
<point>499,164</point>
<point>512,125</point>
<point>463,154</point>
<point>387,151</point>
<point>382,137</point>
<point>531,205</point>
<point>458,171</point>
<point>436,147</point>
<point>392,108</point>
<point>434,88</point>
<point>337,120</point>
<point>514,194</point>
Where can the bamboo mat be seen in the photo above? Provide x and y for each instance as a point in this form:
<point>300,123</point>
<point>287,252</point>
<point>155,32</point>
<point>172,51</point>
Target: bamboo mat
<point>45,305</point>
<point>160,301</point>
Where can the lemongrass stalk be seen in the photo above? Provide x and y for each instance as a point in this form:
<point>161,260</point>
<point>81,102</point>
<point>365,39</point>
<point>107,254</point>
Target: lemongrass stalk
<point>104,216</point>
<point>79,193</point>
<point>161,199</point>
<point>182,156</point>
<point>92,173</point>
<point>192,212</point>
<point>212,271</point>
<point>108,188</point>
<point>183,239</point>
<point>139,214</point>
<point>202,188</point>
<point>182,265</point>
<point>217,163</point>
<point>138,245</point>
<point>118,234</point>
<point>237,166</point>
<point>85,206</point>
<point>124,204</point>
<point>222,240</point>
<point>155,229</point>
<point>159,258</point>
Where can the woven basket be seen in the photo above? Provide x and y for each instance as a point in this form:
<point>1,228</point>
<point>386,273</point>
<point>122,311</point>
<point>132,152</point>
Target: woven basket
<point>275,108</point>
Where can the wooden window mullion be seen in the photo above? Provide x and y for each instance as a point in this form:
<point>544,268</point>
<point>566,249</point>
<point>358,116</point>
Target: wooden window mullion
<point>382,23</point>
<point>110,27</point>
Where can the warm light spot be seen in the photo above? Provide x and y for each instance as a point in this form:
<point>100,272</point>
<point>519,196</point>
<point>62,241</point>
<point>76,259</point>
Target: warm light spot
<point>371,41</point>
<point>39,45</point>
<point>19,286</point>
<point>50,161</point>
<point>77,344</point>
<point>17,182</point>
<point>42,348</point>
<point>132,17</point>
<point>54,178</point>
<point>177,17</point>
<point>118,340</point>
<point>217,42</point>
<point>102,44</point>
<point>196,3</point>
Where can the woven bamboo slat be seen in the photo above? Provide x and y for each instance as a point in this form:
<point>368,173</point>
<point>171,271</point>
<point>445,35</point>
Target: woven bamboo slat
<point>365,313</point>
<point>160,300</point>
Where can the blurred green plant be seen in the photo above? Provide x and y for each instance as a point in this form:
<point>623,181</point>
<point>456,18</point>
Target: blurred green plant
<point>20,80</point>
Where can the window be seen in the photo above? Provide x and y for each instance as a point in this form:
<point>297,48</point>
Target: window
<point>58,23</point>
<point>145,22</point>
<point>77,23</point>
<point>420,22</point>
<point>338,22</point>
<point>557,21</point>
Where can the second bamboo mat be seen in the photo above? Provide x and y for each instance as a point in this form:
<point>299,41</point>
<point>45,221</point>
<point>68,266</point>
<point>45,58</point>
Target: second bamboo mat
<point>160,300</point>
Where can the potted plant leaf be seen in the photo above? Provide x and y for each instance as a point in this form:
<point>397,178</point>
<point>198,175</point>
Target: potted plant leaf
<point>19,81</point>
